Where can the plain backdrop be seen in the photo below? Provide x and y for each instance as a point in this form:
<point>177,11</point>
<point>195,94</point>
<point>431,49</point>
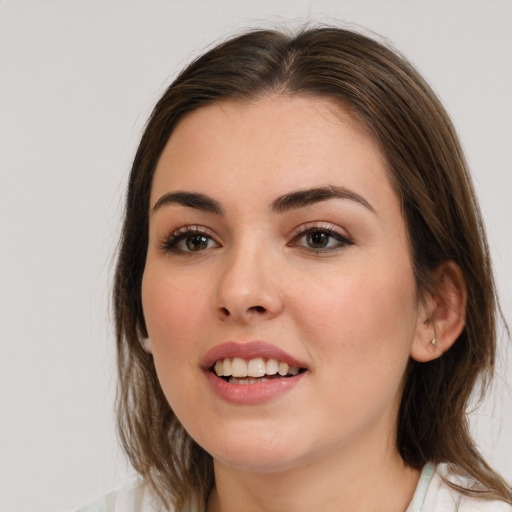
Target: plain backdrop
<point>77,82</point>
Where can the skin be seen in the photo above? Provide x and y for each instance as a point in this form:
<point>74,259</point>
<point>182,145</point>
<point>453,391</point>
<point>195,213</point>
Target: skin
<point>349,312</point>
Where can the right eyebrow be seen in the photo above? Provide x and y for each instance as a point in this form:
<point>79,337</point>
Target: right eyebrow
<point>191,200</point>
<point>302,198</point>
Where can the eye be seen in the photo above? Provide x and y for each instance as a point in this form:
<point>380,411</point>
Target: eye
<point>189,239</point>
<point>320,239</point>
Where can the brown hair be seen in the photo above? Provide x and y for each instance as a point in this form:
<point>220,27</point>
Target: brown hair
<point>428,169</point>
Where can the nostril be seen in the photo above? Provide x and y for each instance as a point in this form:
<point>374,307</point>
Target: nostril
<point>225,313</point>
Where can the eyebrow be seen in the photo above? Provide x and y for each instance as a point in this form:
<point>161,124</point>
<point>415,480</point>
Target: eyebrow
<point>284,203</point>
<point>192,200</point>
<point>301,198</point>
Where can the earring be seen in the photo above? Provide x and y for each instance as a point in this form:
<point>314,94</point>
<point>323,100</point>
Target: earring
<point>146,345</point>
<point>434,342</point>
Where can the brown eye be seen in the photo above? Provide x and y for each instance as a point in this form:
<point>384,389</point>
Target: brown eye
<point>321,240</point>
<point>187,240</point>
<point>317,240</point>
<point>197,242</point>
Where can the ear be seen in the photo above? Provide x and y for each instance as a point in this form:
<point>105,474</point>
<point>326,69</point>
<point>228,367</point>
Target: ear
<point>443,314</point>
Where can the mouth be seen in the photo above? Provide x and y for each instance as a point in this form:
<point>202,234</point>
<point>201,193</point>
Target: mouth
<point>258,370</point>
<point>251,372</point>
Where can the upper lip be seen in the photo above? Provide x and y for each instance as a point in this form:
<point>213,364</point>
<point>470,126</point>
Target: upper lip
<point>248,350</point>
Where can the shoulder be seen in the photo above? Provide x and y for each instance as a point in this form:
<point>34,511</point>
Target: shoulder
<point>104,504</point>
<point>133,496</point>
<point>440,497</point>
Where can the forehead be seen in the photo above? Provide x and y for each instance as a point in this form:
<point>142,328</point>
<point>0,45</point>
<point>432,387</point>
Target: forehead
<point>274,144</point>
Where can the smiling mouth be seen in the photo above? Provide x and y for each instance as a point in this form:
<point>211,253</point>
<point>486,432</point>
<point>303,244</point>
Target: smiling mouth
<point>236,370</point>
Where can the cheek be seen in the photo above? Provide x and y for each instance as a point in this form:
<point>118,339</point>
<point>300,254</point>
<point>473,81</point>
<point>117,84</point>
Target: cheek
<point>170,304</point>
<point>173,318</point>
<point>369,315</point>
<point>359,332</point>
<point>173,314</point>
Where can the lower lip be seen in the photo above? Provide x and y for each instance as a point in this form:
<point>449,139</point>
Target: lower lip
<point>251,394</point>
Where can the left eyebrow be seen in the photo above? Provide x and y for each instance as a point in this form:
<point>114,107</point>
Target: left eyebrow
<point>191,200</point>
<point>301,198</point>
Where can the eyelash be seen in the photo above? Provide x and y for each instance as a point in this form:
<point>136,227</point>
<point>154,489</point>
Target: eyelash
<point>170,242</point>
<point>309,229</point>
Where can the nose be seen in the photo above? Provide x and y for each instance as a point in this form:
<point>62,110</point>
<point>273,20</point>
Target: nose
<point>248,287</point>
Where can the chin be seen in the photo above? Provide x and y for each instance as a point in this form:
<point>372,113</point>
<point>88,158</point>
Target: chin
<point>255,463</point>
<point>259,454</point>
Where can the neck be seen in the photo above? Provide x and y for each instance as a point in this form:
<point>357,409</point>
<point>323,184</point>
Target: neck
<point>337,482</point>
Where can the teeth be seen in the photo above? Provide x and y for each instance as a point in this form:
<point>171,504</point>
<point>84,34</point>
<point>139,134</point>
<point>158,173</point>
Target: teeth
<point>238,367</point>
<point>283,369</point>
<point>272,367</point>
<point>248,380</point>
<point>219,367</point>
<point>227,364</point>
<point>293,370</point>
<point>255,369</point>
<point>235,380</point>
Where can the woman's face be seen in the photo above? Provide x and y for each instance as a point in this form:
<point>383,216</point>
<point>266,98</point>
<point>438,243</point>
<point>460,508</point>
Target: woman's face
<point>275,240</point>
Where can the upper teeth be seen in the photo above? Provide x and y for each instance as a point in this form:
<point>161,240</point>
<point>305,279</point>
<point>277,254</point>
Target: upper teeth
<point>257,367</point>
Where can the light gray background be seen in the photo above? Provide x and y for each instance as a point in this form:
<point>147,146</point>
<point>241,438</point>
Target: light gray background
<point>77,82</point>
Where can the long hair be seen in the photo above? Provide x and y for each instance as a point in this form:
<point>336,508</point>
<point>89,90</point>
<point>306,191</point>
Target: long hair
<point>429,172</point>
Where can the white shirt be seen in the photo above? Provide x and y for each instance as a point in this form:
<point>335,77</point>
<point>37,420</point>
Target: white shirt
<point>432,495</point>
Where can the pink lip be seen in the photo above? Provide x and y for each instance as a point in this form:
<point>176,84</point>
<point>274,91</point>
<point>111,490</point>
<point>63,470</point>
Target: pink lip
<point>249,394</point>
<point>249,350</point>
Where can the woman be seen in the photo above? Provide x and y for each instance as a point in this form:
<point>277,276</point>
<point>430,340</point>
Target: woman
<point>304,298</point>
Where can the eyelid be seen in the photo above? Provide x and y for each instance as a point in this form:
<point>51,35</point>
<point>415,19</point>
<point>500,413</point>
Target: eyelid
<point>333,230</point>
<point>168,242</point>
<point>321,226</point>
